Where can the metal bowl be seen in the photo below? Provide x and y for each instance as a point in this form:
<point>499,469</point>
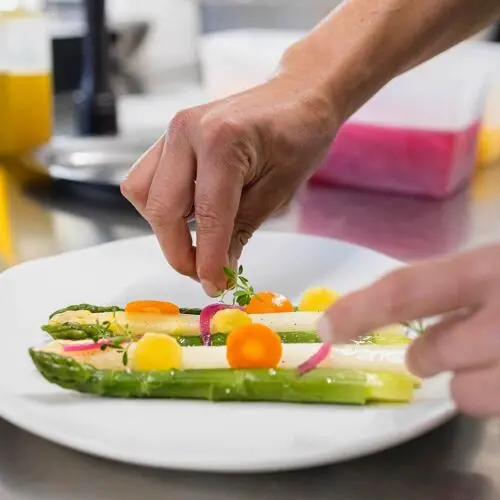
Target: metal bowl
<point>99,160</point>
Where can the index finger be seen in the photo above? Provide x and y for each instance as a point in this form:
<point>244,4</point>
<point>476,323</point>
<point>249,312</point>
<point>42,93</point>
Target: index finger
<point>217,197</point>
<point>407,294</point>
<point>170,199</point>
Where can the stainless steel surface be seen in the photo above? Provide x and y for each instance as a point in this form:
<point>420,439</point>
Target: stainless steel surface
<point>460,460</point>
<point>142,119</point>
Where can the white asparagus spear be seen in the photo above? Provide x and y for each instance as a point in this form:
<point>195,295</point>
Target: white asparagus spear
<point>189,324</point>
<point>186,324</point>
<point>349,356</point>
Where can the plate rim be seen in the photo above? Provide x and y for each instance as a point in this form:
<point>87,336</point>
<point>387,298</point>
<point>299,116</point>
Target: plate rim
<point>16,417</point>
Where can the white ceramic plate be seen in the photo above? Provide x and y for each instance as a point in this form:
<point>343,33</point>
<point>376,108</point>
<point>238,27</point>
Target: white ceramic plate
<point>193,435</point>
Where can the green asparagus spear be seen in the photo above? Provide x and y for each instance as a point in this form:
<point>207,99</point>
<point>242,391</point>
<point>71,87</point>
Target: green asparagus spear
<point>220,338</point>
<point>322,385</point>
<point>87,307</point>
<point>102,309</point>
<point>76,331</point>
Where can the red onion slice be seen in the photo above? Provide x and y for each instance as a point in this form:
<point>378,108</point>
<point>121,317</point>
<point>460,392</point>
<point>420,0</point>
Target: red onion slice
<point>87,346</point>
<point>206,315</point>
<point>319,356</point>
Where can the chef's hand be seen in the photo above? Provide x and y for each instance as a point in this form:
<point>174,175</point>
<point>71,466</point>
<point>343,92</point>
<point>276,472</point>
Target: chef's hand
<point>230,164</point>
<point>465,289</point>
<point>233,162</point>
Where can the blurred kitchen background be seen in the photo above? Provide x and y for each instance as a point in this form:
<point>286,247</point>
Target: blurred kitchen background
<point>87,85</point>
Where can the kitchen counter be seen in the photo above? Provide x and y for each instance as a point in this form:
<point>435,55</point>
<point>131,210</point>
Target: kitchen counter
<point>460,460</point>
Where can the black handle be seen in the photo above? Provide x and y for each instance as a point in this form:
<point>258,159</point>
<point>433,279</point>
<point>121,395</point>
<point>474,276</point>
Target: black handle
<point>95,103</point>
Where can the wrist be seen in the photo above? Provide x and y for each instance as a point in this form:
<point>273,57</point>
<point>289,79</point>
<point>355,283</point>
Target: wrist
<point>344,79</point>
<point>363,44</point>
<point>304,65</point>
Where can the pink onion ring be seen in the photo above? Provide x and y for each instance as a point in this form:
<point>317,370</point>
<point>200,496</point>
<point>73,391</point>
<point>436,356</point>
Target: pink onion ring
<point>319,356</point>
<point>88,346</point>
<point>206,315</point>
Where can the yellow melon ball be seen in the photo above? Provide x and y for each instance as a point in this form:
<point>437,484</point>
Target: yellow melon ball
<point>317,299</point>
<point>156,351</point>
<point>227,320</point>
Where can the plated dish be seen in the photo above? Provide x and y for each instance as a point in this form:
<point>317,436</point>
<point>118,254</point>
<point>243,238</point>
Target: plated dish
<point>249,346</point>
<point>222,436</point>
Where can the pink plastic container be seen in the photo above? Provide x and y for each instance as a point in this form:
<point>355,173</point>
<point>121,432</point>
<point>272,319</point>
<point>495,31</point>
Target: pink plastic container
<point>419,134</point>
<point>425,162</point>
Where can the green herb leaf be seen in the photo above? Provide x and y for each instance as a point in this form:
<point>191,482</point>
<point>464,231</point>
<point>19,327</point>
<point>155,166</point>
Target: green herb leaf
<point>118,341</point>
<point>229,272</point>
<point>125,357</point>
<point>243,300</point>
<point>242,291</point>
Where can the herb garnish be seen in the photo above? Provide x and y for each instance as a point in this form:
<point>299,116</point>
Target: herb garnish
<point>416,327</point>
<point>125,357</point>
<point>116,342</point>
<point>242,291</point>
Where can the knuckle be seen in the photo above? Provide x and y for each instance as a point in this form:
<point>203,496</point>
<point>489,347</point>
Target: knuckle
<point>156,212</point>
<point>217,129</point>
<point>178,123</point>
<point>134,191</point>
<point>127,188</point>
<point>206,217</point>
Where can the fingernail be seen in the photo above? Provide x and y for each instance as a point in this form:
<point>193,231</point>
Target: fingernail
<point>210,289</point>
<point>325,330</point>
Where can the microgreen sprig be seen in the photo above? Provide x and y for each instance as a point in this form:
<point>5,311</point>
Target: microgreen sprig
<point>242,290</point>
<point>116,342</point>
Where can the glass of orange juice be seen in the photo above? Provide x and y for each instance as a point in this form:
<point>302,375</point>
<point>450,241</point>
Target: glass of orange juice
<point>25,77</point>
